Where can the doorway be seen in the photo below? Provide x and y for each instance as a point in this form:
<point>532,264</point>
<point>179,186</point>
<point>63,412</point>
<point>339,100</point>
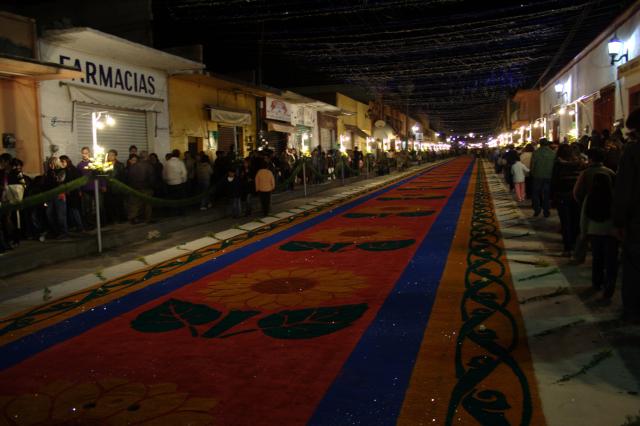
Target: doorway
<point>603,109</point>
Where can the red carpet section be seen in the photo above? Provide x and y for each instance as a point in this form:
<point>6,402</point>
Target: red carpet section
<point>262,341</point>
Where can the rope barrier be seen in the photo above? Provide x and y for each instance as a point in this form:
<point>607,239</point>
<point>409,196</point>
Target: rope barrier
<point>121,187</point>
<point>43,197</point>
<point>282,186</point>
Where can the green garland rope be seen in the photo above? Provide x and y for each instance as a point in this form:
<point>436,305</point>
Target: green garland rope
<point>315,171</point>
<point>282,186</point>
<point>123,188</point>
<point>43,197</point>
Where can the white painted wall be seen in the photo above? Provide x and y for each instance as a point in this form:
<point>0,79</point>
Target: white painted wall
<point>55,101</point>
<point>592,73</point>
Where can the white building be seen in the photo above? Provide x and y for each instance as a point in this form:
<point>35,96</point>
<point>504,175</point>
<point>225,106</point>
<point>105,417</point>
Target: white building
<point>125,79</point>
<point>591,92</point>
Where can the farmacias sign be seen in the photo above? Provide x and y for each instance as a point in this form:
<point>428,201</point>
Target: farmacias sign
<point>112,77</point>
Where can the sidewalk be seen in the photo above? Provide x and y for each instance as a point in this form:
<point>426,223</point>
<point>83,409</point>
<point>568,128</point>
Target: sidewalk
<point>34,254</point>
<point>586,360</point>
<point>58,268</point>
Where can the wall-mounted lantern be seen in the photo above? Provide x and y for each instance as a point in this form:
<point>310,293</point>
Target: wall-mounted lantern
<point>616,50</point>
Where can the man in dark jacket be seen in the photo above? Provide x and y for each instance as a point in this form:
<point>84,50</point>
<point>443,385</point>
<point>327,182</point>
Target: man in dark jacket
<point>626,217</point>
<point>114,205</point>
<point>542,163</point>
<point>141,177</point>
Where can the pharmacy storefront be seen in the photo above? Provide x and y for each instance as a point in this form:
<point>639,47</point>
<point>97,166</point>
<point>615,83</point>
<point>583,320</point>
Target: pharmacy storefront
<point>125,80</point>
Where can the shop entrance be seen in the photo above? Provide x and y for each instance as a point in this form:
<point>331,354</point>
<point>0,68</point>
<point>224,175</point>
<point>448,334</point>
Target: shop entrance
<point>130,129</point>
<point>194,145</point>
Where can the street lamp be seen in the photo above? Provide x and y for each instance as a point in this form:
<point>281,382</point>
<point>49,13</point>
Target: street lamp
<point>99,120</point>
<point>615,48</point>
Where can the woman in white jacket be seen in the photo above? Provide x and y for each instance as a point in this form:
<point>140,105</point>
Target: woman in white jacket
<point>519,172</point>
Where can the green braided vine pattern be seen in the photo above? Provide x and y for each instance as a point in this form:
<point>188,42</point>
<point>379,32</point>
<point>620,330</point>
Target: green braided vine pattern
<point>488,290</point>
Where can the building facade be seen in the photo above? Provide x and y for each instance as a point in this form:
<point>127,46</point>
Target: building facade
<point>594,92</point>
<point>354,127</point>
<point>127,80</point>
<point>213,113</point>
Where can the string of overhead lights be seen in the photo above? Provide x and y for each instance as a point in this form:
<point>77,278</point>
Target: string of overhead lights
<point>461,69</point>
<point>285,10</point>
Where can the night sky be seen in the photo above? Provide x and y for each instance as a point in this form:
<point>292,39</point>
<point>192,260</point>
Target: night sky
<point>456,60</point>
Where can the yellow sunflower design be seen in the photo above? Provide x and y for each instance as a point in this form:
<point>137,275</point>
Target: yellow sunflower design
<point>107,402</point>
<point>272,289</point>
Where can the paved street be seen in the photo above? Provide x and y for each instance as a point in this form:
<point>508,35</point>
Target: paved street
<point>431,300</point>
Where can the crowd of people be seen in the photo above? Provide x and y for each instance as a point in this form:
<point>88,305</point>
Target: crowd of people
<point>594,185</point>
<point>227,181</point>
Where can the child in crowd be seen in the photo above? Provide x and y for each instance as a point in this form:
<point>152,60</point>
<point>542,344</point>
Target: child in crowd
<point>519,172</point>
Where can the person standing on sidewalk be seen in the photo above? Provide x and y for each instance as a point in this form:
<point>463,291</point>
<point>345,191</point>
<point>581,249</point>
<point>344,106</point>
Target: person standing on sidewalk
<point>598,225</point>
<point>175,176</point>
<point>114,204</point>
<point>525,157</point>
<point>265,184</point>
<point>566,170</point>
<point>88,191</point>
<point>541,171</point>
<point>204,171</point>
<point>580,191</point>
<point>519,172</point>
<point>141,177</point>
<point>626,217</point>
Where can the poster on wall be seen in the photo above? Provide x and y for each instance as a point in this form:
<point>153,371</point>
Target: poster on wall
<point>275,109</point>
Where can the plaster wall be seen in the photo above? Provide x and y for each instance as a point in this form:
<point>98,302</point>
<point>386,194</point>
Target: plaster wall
<point>592,73</point>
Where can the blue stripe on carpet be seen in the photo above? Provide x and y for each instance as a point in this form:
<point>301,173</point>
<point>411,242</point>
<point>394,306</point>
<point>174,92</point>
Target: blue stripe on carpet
<point>370,388</point>
<point>28,346</point>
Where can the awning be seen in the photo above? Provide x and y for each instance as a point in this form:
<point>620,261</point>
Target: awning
<point>238,118</point>
<point>274,126</point>
<point>87,95</point>
<point>13,66</point>
<point>355,129</point>
<point>100,44</point>
<point>588,98</point>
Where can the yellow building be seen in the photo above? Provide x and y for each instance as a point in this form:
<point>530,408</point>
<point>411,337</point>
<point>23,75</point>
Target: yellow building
<point>354,126</point>
<point>210,113</point>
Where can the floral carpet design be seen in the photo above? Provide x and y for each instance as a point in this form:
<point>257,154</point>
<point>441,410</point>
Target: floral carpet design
<point>283,288</point>
<point>324,321</point>
<point>107,402</point>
